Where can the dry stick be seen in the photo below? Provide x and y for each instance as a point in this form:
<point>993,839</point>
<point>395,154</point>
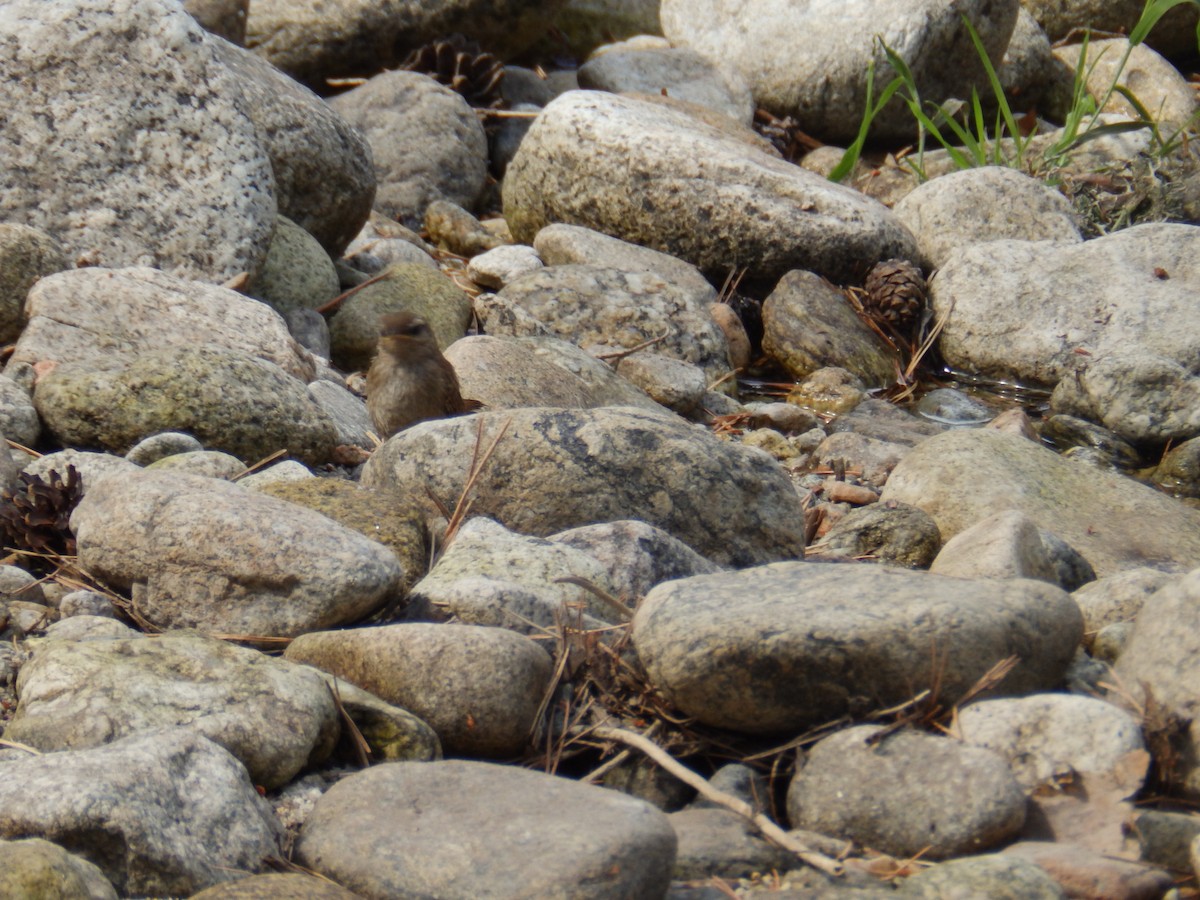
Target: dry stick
<point>606,598</point>
<point>361,748</point>
<point>505,114</point>
<point>250,638</point>
<point>23,449</point>
<point>600,771</point>
<point>929,340</point>
<point>621,354</point>
<point>733,280</point>
<point>478,463</point>
<point>342,297</point>
<point>989,679</point>
<point>18,746</point>
<point>555,679</point>
<point>265,461</point>
<point>770,830</point>
<point>724,378</point>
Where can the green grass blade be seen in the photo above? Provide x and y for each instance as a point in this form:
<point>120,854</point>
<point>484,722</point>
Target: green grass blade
<point>956,154</point>
<point>854,152</point>
<point>900,66</point>
<point>1151,14</point>
<point>1141,110</point>
<point>977,157</point>
<point>997,91</point>
<point>981,134</point>
<point>1112,128</point>
<point>998,157</point>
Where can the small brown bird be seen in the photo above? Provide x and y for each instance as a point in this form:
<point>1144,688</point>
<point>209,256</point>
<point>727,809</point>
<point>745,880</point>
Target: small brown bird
<point>409,380</point>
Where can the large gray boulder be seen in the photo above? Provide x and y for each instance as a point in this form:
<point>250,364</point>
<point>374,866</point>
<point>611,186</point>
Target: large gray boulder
<point>715,197</point>
<point>162,814</point>
<point>990,203</point>
<point>1161,663</point>
<point>324,173</point>
<point>37,868</point>
<point>96,315</point>
<point>669,71</point>
<point>125,138</point>
<point>480,689</point>
<point>200,552</point>
<point>607,310</point>
<point>427,143</point>
<point>466,830</point>
<point>963,476</point>
<point>229,400</point>
<point>272,715</point>
<point>1142,397</point>
<point>808,324</point>
<point>782,647</point>
<point>559,468</point>
<point>810,60</point>
<point>910,793</point>
<point>1035,311</point>
<point>510,372</point>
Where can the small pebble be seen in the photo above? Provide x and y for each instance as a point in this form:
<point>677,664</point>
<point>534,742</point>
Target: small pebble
<point>158,446</point>
<point>85,603</point>
<point>500,265</point>
<point>948,406</point>
<point>844,492</point>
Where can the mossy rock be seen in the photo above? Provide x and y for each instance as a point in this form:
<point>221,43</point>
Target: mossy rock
<point>229,400</point>
<point>298,273</point>
<point>416,287</point>
<point>26,255</point>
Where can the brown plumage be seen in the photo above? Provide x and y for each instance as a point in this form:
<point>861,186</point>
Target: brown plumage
<point>409,380</point>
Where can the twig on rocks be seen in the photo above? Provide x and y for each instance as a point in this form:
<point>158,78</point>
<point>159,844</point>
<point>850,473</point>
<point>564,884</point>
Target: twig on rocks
<point>18,746</point>
<point>478,463</point>
<point>362,749</point>
<point>929,340</point>
<point>733,373</point>
<point>506,114</point>
<point>809,737</point>
<point>265,461</point>
<point>600,771</point>
<point>769,829</point>
<point>264,639</point>
<point>621,354</point>
<point>733,280</point>
<point>341,298</point>
<point>625,613</point>
<point>14,445</point>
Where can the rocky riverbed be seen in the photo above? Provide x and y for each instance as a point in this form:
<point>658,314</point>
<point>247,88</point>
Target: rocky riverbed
<point>812,539</point>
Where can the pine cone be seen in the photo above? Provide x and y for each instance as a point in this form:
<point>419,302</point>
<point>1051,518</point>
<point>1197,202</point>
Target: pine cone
<point>463,67</point>
<point>34,515</point>
<point>895,293</point>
